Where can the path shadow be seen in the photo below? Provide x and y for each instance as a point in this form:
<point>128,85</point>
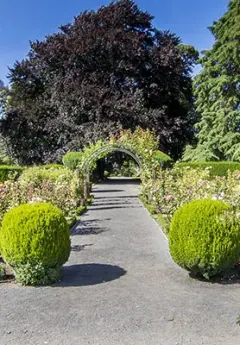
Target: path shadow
<point>89,274</point>
<point>87,227</point>
<point>113,207</point>
<point>107,190</point>
<point>119,180</point>
<point>80,247</point>
<point>112,203</point>
<point>111,198</point>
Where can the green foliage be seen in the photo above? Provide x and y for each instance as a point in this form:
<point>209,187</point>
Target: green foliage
<point>205,237</point>
<point>51,166</point>
<point>8,172</point>
<point>36,274</point>
<point>81,210</point>
<point>217,93</point>
<point>216,168</point>
<point>2,271</point>
<point>36,175</point>
<point>72,160</point>
<point>32,235</point>
<point>163,159</point>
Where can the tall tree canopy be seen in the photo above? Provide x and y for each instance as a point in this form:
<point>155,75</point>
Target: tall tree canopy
<point>108,69</point>
<point>217,90</point>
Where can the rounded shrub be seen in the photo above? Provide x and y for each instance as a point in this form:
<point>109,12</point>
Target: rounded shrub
<point>35,237</point>
<point>205,237</point>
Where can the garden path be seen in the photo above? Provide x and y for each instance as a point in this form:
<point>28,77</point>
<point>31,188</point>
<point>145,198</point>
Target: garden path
<point>120,286</point>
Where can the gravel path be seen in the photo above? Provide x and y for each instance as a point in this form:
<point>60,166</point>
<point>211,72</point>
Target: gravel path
<point>120,287</point>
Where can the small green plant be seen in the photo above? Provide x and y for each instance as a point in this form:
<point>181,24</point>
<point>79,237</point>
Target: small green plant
<point>34,240</point>
<point>36,274</point>
<point>205,237</point>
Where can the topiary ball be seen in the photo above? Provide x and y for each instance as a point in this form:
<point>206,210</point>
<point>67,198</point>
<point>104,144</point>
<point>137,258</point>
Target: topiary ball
<point>205,237</point>
<point>36,234</point>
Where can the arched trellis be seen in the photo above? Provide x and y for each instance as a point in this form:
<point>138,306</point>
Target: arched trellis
<point>105,149</point>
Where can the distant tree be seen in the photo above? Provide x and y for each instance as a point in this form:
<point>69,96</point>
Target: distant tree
<point>217,90</point>
<point>109,69</point>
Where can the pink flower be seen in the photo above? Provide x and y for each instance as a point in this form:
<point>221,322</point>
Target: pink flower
<point>238,176</point>
<point>169,197</point>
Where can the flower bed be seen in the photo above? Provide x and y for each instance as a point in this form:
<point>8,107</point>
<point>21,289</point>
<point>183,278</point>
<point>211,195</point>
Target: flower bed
<point>60,187</point>
<point>173,188</point>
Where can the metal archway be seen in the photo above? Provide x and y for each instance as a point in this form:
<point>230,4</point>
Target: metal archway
<point>106,149</point>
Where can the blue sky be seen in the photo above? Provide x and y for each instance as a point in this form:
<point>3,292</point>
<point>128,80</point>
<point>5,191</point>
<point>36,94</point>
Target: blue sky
<point>21,21</point>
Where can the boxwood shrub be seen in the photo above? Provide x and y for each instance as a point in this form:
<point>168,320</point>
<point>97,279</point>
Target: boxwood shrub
<point>35,241</point>
<point>217,168</point>
<point>72,160</point>
<point>205,237</point>
<point>8,172</point>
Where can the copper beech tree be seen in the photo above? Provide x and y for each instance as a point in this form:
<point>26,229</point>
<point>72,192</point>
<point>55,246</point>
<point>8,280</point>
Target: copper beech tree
<point>109,69</point>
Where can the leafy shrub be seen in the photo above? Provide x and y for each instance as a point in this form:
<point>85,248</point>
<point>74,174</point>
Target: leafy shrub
<point>216,168</point>
<point>8,172</point>
<point>72,160</point>
<point>36,274</point>
<point>163,159</point>
<point>36,175</point>
<point>34,238</point>
<point>205,237</point>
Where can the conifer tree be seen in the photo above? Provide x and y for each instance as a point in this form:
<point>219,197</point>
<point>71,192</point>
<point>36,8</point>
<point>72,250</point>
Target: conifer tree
<point>217,91</point>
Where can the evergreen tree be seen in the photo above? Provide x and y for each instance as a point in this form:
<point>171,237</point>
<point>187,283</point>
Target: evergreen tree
<point>217,91</point>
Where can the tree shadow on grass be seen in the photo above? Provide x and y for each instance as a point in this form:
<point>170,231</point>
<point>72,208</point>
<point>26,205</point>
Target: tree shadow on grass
<point>89,274</point>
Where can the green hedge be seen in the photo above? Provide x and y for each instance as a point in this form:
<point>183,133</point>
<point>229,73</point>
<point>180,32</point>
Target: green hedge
<point>217,168</point>
<point>71,160</point>
<point>8,172</point>
<point>205,237</point>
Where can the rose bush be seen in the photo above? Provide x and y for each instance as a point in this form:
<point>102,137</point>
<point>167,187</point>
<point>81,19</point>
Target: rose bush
<point>63,189</point>
<point>173,188</point>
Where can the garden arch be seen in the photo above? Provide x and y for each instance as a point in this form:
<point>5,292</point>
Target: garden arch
<point>102,152</point>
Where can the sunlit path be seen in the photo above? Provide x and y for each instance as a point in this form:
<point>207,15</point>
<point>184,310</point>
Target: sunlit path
<point>120,287</point>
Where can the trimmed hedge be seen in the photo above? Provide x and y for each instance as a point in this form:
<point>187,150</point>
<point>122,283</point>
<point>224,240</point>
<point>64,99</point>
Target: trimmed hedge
<point>217,168</point>
<point>34,240</point>
<point>205,237</point>
<point>72,160</point>
<point>8,172</point>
